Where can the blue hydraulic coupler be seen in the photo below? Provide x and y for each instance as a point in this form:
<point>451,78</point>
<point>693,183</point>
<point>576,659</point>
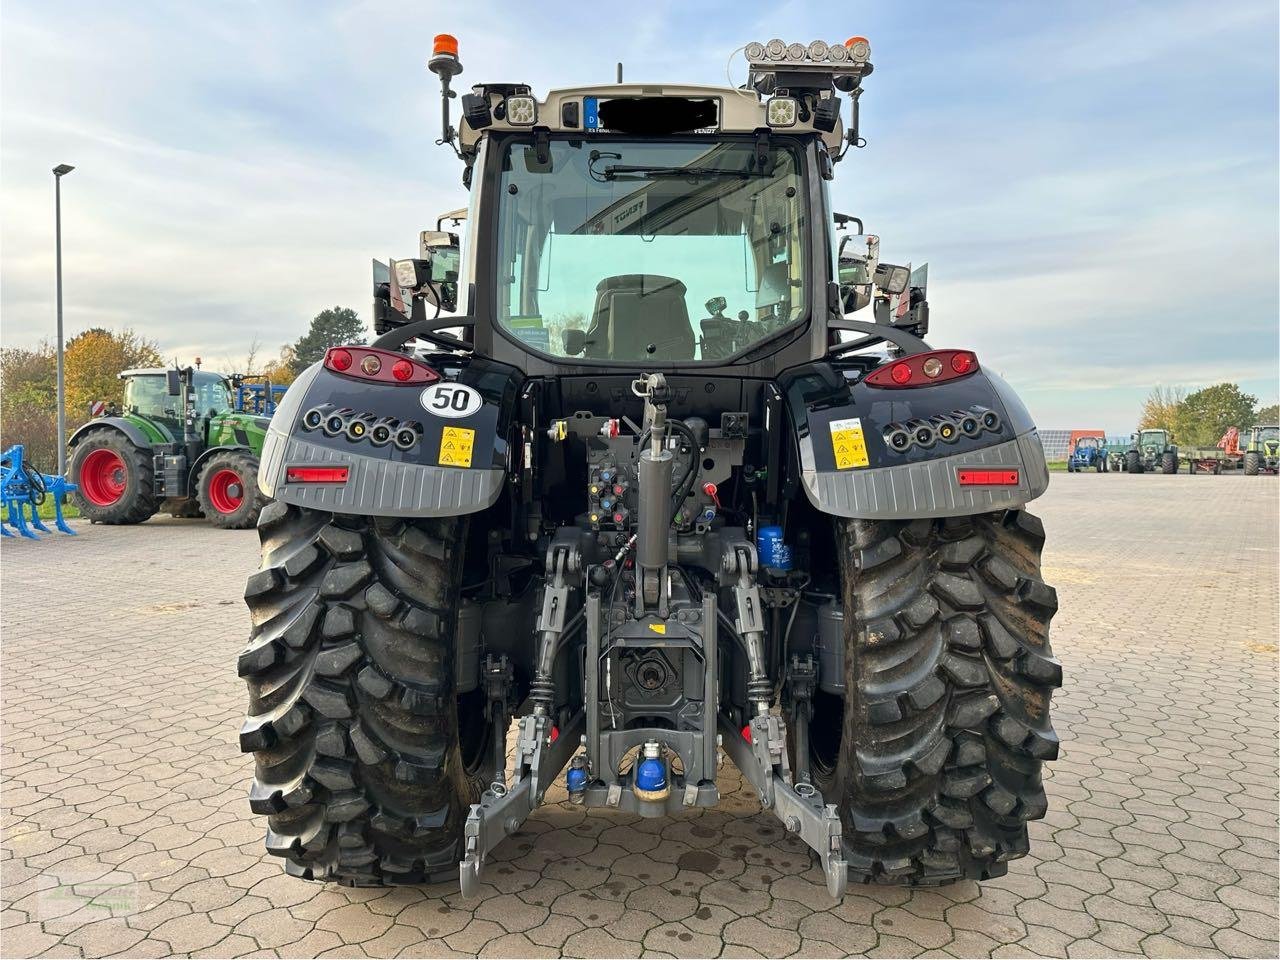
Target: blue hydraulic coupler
<point>575,779</point>
<point>651,774</point>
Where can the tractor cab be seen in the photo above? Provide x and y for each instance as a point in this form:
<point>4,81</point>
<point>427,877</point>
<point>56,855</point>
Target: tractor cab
<point>165,398</point>
<point>663,225</point>
<point>1155,440</point>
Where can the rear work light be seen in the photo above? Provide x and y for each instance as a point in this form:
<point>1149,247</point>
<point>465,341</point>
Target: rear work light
<point>987,478</point>
<point>378,366</point>
<point>315,474</point>
<point>923,369</point>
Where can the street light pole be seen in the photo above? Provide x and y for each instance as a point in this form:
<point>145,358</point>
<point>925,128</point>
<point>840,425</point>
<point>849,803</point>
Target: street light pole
<point>59,172</point>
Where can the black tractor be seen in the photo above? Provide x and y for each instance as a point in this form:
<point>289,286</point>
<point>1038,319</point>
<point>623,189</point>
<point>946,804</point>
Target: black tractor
<point>663,489</point>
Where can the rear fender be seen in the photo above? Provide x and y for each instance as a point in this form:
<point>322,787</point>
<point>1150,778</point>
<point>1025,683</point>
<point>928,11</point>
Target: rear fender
<point>842,430</point>
<point>120,424</point>
<point>208,455</point>
<point>458,464</point>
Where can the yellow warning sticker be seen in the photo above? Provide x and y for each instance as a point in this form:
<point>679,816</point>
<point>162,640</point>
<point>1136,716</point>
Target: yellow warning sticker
<point>456,444</point>
<point>849,444</point>
<point>658,628</point>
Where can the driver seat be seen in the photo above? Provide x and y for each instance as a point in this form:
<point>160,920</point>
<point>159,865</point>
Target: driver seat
<point>634,310</point>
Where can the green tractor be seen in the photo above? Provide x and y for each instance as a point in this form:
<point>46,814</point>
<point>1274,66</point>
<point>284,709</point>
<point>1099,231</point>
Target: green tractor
<point>1262,454</point>
<point>178,446</point>
<point>1152,450</point>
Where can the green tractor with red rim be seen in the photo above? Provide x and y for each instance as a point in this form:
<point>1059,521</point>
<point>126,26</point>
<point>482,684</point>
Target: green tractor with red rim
<point>178,446</point>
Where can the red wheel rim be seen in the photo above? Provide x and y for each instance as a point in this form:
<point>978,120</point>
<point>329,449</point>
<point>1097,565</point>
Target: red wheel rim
<point>103,477</point>
<point>226,491</point>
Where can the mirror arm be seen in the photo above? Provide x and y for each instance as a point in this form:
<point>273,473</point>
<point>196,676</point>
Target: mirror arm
<point>426,330</point>
<point>906,342</point>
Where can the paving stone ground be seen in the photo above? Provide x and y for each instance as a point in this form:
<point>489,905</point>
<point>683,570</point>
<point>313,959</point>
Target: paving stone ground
<point>126,830</point>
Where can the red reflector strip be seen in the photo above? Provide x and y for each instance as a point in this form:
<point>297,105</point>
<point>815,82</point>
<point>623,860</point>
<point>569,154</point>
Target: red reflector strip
<point>315,474</point>
<point>987,478</point>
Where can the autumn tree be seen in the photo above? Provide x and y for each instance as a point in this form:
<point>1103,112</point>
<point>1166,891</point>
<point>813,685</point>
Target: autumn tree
<point>1204,416</point>
<point>1160,409</point>
<point>94,360</point>
<point>329,328</point>
<point>28,397</point>
<point>283,368</point>
<point>1267,416</point>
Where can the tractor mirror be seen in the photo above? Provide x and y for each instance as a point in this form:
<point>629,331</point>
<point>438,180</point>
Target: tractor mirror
<point>574,341</point>
<point>173,381</point>
<point>858,257</point>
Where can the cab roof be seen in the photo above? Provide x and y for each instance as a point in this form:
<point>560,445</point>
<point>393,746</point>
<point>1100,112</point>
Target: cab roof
<point>158,372</point>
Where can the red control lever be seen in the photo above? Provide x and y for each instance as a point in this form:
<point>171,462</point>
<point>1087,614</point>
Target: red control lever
<point>712,491</point>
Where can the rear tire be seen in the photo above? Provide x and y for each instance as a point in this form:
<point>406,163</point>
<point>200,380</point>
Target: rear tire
<point>1251,464</point>
<point>949,674</point>
<point>115,480</point>
<point>227,490</point>
<point>353,720</point>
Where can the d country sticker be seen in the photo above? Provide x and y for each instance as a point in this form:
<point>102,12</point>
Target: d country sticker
<point>849,444</point>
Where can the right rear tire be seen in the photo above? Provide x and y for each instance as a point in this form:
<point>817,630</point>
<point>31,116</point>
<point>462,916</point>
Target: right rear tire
<point>353,719</point>
<point>933,755</point>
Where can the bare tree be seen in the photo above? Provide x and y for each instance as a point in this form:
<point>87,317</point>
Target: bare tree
<point>251,360</point>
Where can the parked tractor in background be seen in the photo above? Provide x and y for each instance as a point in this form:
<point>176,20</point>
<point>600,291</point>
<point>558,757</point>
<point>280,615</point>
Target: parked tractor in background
<point>1262,452</point>
<point>178,446</point>
<point>1152,451</point>
<point>1089,452</point>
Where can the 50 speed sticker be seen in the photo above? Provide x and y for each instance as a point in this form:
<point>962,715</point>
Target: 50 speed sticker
<point>456,444</point>
<point>849,444</point>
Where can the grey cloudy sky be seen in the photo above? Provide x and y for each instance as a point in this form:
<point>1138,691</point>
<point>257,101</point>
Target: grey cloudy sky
<point>1094,184</point>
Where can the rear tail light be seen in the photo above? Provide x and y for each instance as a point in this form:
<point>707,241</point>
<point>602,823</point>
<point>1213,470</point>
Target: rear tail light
<point>922,369</point>
<point>987,478</point>
<point>315,474</point>
<point>378,366</point>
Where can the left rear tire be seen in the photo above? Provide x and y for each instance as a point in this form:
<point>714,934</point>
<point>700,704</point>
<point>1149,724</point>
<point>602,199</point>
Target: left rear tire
<point>366,759</point>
